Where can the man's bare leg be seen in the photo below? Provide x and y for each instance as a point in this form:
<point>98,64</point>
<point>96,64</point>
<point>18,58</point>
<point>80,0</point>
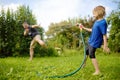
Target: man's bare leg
<point>31,54</point>
<point>41,42</point>
<point>38,39</point>
<point>32,45</point>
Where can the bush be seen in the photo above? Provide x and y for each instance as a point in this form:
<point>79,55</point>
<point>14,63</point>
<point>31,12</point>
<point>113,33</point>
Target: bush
<point>43,51</point>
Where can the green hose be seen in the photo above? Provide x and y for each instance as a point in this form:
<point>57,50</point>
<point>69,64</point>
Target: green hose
<point>75,71</point>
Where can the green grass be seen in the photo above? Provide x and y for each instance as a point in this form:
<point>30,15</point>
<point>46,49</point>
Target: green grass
<point>20,68</point>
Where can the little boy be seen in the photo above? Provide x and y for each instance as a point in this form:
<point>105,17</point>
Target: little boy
<point>97,37</point>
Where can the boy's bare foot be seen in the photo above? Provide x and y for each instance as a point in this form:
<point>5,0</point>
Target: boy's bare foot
<point>96,73</point>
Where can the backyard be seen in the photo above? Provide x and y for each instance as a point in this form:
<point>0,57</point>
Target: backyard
<point>19,68</point>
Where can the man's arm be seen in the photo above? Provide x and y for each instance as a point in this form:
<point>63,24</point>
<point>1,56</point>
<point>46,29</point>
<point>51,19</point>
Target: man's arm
<point>36,26</point>
<point>105,46</point>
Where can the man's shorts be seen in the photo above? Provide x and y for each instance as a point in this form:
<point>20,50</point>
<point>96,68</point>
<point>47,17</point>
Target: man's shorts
<point>90,51</point>
<point>34,41</point>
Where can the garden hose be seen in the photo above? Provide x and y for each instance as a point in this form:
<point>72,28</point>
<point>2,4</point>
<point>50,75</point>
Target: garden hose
<point>75,71</point>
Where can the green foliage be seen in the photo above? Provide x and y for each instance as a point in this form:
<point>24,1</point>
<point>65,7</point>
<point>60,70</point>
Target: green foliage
<point>45,51</point>
<point>22,43</point>
<point>114,38</point>
<point>11,31</point>
<point>6,35</point>
<point>12,40</point>
<point>65,34</point>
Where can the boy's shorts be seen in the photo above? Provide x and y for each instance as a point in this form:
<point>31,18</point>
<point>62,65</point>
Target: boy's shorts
<point>90,51</point>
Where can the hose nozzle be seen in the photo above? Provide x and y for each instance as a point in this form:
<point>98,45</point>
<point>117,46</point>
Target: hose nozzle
<point>80,26</point>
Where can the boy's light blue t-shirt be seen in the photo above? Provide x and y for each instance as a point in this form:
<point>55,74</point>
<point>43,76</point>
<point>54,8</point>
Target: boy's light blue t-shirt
<point>98,30</point>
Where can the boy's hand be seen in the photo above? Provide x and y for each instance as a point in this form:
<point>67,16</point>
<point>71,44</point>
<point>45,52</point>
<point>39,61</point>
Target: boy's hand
<point>106,49</point>
<point>79,25</point>
<point>82,27</point>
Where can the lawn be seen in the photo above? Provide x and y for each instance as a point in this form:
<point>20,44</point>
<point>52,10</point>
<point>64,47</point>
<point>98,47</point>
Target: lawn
<point>19,68</point>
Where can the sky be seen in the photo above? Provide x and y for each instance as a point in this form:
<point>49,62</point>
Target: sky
<point>48,11</point>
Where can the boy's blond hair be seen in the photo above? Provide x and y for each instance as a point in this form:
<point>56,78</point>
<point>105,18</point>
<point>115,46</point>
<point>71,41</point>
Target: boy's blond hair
<point>99,11</point>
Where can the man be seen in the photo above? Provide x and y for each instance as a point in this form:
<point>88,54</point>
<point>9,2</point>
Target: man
<point>34,33</point>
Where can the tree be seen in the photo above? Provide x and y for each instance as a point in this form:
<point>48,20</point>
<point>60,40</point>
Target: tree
<point>12,41</point>
<point>65,33</point>
<point>22,43</point>
<point>3,43</point>
<point>114,35</point>
<point>11,31</point>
